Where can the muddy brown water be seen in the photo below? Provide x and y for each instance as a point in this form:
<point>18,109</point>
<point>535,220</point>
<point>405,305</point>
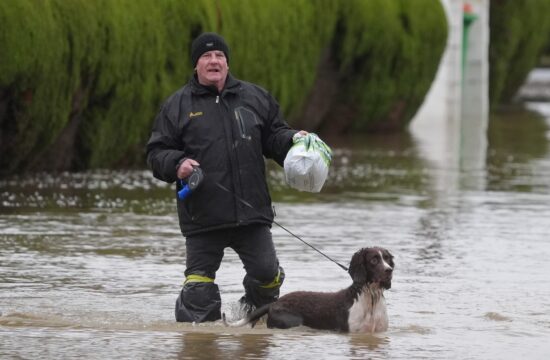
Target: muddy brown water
<point>91,263</point>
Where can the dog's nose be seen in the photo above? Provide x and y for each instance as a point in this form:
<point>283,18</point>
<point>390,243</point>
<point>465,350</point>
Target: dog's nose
<point>389,270</point>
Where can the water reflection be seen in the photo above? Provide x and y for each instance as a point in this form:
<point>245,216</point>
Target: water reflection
<point>224,346</point>
<point>386,164</point>
<point>513,159</point>
<point>290,344</point>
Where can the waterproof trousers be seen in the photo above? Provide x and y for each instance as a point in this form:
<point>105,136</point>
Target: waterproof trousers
<point>199,299</point>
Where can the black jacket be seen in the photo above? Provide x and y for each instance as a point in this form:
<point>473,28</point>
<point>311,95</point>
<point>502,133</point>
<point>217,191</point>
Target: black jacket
<point>229,134</point>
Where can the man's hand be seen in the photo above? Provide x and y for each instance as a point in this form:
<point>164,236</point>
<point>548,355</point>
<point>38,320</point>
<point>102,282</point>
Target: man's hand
<point>299,135</point>
<point>186,168</point>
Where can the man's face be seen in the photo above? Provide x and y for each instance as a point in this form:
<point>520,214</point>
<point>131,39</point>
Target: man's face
<point>212,69</point>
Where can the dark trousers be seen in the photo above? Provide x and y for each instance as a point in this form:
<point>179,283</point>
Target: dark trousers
<point>199,299</point>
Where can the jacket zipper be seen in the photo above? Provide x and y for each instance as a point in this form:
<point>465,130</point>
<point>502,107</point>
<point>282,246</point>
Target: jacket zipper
<point>232,165</point>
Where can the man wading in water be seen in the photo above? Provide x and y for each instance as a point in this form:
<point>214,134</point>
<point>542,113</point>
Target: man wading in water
<point>226,126</point>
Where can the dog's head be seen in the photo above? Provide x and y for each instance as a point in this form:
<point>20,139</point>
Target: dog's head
<point>372,266</point>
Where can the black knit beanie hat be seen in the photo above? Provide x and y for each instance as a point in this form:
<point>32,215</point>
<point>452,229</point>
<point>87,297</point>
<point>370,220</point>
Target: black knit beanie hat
<point>207,42</point>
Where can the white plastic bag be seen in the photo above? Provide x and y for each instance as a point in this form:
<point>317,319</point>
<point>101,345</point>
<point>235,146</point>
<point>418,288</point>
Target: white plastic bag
<point>307,162</point>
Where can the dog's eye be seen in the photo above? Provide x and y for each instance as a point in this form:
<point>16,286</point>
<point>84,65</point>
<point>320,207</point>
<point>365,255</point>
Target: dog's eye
<point>374,261</point>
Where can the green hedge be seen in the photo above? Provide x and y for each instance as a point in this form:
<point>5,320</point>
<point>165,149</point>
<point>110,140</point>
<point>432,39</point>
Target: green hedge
<point>81,80</point>
<point>519,32</point>
<point>388,56</point>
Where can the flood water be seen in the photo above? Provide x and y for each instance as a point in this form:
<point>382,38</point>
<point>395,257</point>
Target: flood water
<point>91,263</point>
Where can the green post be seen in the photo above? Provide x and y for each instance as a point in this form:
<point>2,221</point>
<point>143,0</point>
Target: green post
<point>468,18</point>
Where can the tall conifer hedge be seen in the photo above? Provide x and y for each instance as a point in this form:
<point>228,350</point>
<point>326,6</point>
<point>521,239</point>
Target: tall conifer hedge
<point>81,80</point>
<point>520,30</point>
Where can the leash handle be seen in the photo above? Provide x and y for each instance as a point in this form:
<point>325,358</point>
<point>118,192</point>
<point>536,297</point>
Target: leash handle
<point>191,183</point>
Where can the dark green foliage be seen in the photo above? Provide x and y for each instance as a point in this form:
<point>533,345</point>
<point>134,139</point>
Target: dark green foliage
<point>98,68</point>
<point>388,53</point>
<point>519,32</point>
<point>277,44</point>
<point>81,80</point>
<point>32,49</point>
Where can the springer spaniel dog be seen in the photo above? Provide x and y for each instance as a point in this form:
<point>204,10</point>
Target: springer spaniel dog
<point>360,308</point>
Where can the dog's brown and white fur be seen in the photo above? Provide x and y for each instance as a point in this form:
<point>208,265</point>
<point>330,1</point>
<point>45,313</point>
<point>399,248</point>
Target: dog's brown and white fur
<point>359,308</point>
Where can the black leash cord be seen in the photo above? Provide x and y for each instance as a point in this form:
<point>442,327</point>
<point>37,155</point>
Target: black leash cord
<point>281,226</point>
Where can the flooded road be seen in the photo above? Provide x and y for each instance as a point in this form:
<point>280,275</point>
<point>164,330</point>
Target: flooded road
<point>91,263</point>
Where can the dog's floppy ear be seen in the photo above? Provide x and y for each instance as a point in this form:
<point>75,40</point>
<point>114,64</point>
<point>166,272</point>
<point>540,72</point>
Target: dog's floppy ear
<point>357,267</point>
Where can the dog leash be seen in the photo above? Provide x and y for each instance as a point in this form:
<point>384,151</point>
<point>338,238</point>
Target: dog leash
<point>242,201</point>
